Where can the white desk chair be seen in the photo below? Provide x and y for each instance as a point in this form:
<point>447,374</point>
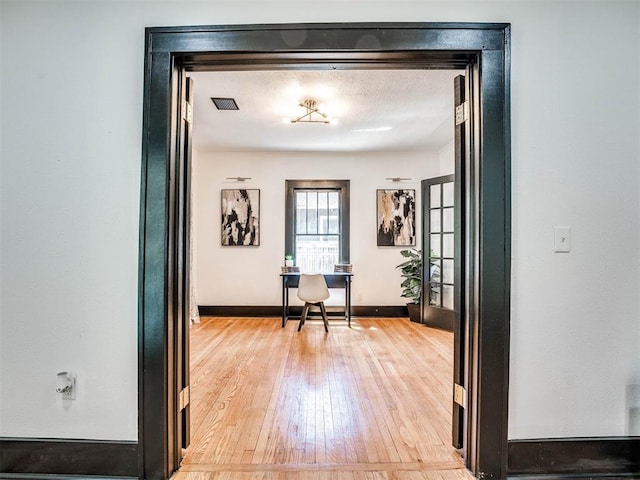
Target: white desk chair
<point>313,291</point>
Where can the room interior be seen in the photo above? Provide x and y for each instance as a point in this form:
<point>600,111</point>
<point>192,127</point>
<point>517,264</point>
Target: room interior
<point>388,129</point>
<point>380,129</point>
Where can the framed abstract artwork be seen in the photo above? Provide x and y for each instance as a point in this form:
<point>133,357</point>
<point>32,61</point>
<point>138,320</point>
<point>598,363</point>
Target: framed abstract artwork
<point>396,217</point>
<point>240,217</point>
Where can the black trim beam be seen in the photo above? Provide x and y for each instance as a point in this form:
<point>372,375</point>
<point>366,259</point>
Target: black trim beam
<point>68,457</point>
<point>154,262</point>
<point>575,456</point>
<point>396,37</point>
<point>492,242</point>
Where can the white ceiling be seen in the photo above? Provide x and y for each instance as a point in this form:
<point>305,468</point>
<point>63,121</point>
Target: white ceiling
<point>377,110</point>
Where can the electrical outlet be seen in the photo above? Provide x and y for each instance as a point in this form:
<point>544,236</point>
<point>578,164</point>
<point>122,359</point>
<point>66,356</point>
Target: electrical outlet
<point>66,385</point>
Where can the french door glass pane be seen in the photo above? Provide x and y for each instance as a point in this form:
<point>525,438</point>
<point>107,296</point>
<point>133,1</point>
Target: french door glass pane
<point>447,271</point>
<point>447,296</point>
<point>447,219</point>
<point>447,245</point>
<point>435,221</point>
<point>434,195</point>
<point>434,241</point>
<point>447,194</point>
<point>434,271</point>
<point>434,294</point>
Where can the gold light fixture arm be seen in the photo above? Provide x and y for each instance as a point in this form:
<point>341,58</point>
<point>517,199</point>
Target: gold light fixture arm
<point>311,108</point>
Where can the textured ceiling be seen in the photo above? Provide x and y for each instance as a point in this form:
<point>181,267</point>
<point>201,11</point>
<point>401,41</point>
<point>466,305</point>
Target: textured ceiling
<point>377,110</point>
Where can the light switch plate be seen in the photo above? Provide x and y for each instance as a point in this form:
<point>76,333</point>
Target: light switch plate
<point>562,239</point>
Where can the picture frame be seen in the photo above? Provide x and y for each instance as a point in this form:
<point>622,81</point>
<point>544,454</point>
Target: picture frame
<point>396,217</point>
<point>240,217</point>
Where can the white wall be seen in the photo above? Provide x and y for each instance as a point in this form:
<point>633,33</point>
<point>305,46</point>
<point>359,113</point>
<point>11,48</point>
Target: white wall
<point>446,159</point>
<point>71,93</point>
<point>575,162</point>
<point>221,270</point>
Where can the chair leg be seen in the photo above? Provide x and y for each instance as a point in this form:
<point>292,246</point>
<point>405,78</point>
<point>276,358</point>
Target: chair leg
<point>324,317</point>
<point>305,310</point>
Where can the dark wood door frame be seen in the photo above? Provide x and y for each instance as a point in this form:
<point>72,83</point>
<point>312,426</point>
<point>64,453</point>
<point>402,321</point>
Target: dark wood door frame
<point>482,48</point>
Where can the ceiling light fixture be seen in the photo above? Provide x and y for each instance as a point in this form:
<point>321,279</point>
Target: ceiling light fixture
<point>312,114</point>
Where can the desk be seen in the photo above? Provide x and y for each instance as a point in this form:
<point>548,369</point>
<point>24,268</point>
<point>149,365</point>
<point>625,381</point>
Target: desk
<point>334,280</point>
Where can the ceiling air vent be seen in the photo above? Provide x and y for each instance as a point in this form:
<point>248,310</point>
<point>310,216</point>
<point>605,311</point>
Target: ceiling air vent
<point>225,103</point>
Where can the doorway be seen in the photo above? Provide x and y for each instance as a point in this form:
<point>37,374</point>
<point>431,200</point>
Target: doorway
<point>419,100</point>
<point>483,49</point>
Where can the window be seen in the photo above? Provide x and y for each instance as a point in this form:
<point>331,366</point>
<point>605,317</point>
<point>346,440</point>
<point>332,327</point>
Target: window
<point>317,223</point>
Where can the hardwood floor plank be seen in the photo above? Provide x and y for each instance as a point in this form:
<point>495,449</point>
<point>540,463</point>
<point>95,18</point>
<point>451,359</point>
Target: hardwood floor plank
<point>273,376</point>
<point>370,402</point>
<point>376,399</point>
<point>337,435</point>
<point>324,417</point>
<point>347,396</point>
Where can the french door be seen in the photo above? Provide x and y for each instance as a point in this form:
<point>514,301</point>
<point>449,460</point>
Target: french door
<point>438,286</point>
<point>444,225</point>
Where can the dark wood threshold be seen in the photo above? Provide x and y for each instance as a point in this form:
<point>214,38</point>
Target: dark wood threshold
<point>388,311</point>
<point>567,476</point>
<point>603,457</point>
<point>30,457</point>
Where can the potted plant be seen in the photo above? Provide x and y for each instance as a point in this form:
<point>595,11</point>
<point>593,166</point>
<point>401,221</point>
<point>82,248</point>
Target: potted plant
<point>411,272</point>
<point>288,260</point>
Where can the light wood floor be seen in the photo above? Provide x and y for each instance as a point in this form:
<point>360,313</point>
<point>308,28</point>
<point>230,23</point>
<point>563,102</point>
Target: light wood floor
<point>370,402</point>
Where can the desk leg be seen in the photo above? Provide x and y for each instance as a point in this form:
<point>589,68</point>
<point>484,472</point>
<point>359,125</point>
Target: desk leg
<point>285,301</point>
<point>348,300</point>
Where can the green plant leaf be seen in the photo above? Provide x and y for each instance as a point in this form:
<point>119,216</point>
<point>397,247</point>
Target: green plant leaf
<point>411,272</point>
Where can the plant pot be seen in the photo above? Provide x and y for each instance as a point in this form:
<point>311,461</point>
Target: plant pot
<point>414,312</point>
<point>288,263</point>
